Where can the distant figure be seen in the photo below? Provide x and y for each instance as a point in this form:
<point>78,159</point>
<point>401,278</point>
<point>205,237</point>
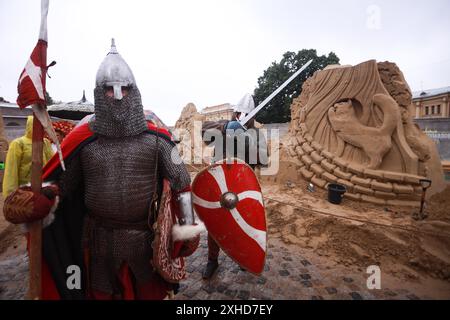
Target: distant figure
<point>62,129</point>
<point>18,160</point>
<point>252,145</point>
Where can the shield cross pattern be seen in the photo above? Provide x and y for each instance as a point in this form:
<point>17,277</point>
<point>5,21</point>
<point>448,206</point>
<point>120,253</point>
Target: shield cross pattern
<point>227,198</point>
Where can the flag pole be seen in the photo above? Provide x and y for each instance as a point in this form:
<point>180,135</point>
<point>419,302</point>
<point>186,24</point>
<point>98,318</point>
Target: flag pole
<point>35,228</point>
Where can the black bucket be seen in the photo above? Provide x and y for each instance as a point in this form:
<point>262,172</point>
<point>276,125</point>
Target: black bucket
<point>335,193</point>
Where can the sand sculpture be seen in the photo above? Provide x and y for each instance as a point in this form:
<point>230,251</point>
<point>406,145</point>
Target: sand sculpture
<point>354,126</point>
<point>188,135</point>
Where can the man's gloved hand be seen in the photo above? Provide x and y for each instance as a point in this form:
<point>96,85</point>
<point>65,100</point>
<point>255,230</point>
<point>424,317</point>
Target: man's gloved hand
<point>24,206</point>
<point>185,234</point>
<point>234,125</point>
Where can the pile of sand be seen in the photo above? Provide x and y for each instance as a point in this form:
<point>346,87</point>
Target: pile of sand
<point>438,207</point>
<point>294,217</point>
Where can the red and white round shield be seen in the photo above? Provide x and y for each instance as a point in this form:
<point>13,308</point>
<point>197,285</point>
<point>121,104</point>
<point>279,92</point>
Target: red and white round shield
<point>228,198</point>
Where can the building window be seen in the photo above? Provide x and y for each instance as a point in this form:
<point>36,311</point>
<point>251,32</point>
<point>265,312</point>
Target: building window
<point>427,110</point>
<point>432,109</point>
<point>438,109</point>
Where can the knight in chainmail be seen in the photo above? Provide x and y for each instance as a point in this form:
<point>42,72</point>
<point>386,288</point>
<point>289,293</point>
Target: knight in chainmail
<point>119,172</point>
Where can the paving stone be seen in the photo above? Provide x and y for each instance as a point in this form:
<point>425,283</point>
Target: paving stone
<point>221,288</point>
<point>190,268</point>
<point>331,290</point>
<point>230,293</point>
<point>305,263</point>
<point>402,291</point>
<point>190,293</point>
<point>182,287</point>
<point>390,293</point>
<point>288,274</point>
<point>243,295</point>
<point>305,276</point>
<point>284,273</point>
<point>353,287</point>
<point>356,296</point>
<point>208,288</point>
<point>316,282</point>
<point>261,280</point>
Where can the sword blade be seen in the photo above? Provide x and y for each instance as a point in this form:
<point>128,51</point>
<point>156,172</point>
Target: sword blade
<point>269,98</point>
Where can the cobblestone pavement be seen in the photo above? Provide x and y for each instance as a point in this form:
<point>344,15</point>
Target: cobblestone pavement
<point>287,275</point>
<point>14,277</point>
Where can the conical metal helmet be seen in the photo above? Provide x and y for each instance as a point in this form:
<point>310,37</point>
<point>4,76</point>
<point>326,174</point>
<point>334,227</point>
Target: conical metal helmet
<point>114,72</point>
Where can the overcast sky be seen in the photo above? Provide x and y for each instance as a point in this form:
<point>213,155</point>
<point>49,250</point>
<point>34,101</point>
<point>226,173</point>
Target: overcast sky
<point>212,51</point>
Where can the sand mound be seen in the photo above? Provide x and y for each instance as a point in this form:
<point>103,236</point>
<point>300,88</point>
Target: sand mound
<point>348,240</point>
<point>438,207</point>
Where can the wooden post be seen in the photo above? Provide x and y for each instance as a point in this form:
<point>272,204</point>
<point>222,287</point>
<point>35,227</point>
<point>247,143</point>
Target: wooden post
<point>35,228</point>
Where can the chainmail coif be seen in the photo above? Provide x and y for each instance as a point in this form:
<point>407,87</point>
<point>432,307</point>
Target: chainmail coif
<point>119,118</point>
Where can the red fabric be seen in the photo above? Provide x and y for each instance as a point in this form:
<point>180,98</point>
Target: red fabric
<point>31,87</point>
<point>77,136</point>
<point>177,245</point>
<point>186,189</point>
<point>49,291</point>
<point>25,206</point>
<point>69,144</point>
<point>185,248</point>
<point>156,289</point>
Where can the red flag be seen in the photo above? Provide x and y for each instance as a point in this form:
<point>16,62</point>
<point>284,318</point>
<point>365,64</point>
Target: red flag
<point>31,85</point>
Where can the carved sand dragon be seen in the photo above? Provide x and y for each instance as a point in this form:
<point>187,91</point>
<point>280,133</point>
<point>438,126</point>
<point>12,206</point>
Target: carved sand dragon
<point>374,141</point>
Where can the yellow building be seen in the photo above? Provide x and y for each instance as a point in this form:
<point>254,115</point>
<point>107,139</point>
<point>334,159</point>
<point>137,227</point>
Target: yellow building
<point>433,103</point>
<point>219,112</point>
<point>433,117</point>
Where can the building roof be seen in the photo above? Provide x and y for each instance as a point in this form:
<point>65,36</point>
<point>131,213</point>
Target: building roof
<point>82,105</point>
<point>218,108</point>
<point>8,105</point>
<point>430,93</point>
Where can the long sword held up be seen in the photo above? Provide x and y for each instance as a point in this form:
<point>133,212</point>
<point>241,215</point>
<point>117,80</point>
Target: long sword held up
<point>244,121</point>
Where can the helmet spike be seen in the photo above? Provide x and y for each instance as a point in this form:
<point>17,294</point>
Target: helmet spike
<point>114,72</point>
<point>113,47</point>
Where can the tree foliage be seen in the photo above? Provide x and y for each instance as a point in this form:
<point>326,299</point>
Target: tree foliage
<point>278,110</point>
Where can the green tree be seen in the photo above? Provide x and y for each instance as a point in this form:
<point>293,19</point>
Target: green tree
<point>278,110</point>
